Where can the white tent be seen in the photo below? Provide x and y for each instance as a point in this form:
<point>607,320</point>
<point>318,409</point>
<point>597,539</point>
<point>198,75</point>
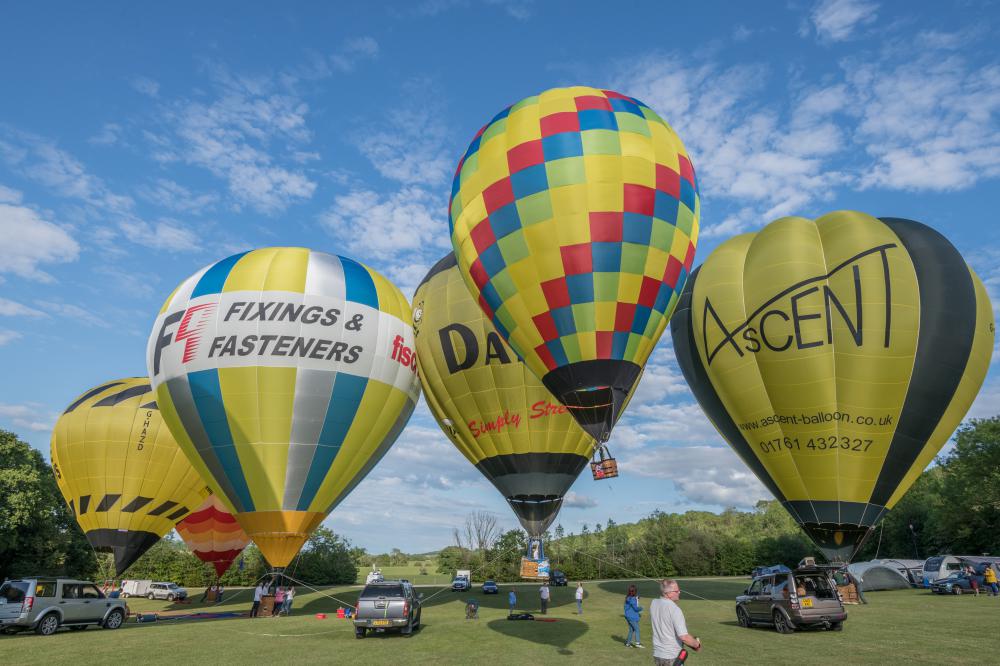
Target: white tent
<point>878,575</point>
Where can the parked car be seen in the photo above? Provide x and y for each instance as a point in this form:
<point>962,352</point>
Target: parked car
<point>45,604</point>
<point>790,600</point>
<point>168,591</point>
<point>460,584</point>
<point>558,579</point>
<point>957,583</point>
<point>388,604</point>
<point>490,587</point>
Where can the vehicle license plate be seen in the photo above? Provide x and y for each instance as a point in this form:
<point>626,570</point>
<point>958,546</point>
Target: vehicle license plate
<point>381,623</point>
<point>807,603</point>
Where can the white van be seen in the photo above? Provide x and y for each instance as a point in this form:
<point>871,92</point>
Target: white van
<point>938,567</point>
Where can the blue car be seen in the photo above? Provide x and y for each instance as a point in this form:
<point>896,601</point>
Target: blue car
<point>957,583</point>
<point>490,587</point>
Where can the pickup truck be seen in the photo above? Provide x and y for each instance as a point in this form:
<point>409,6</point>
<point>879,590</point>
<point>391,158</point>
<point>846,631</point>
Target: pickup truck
<point>387,604</point>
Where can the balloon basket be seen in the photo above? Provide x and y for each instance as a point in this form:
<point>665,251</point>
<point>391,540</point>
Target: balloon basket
<point>604,467</point>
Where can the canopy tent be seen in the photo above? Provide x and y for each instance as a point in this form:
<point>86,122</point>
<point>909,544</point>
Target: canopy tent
<point>878,575</point>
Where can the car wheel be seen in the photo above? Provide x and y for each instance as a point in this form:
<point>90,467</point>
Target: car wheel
<point>956,590</point>
<point>115,619</point>
<point>48,625</point>
<point>150,596</point>
<point>743,617</point>
<point>837,626</point>
<point>170,597</point>
<point>781,623</point>
<point>360,632</point>
<point>416,625</point>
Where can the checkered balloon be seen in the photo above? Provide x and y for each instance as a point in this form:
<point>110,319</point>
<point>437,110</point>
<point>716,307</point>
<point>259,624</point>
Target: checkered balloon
<point>574,217</point>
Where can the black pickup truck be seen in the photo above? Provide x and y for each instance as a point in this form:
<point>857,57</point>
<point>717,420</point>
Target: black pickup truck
<point>387,604</point>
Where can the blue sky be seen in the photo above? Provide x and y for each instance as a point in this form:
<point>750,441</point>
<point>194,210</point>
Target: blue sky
<point>139,143</point>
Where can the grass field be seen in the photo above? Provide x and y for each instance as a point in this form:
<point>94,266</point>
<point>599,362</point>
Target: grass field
<point>411,572</point>
<point>899,627</point>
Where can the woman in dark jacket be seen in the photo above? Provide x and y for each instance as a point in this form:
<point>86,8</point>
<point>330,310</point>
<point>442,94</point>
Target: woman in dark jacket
<point>633,612</point>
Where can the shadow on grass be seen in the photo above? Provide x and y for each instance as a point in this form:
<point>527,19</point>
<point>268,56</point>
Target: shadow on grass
<point>691,590</point>
<point>559,634</point>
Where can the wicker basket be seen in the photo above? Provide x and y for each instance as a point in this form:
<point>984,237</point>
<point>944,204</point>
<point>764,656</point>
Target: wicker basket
<point>604,467</point>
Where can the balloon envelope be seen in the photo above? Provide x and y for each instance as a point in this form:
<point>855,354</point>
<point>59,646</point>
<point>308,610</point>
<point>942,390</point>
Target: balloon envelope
<point>286,374</point>
<point>213,534</point>
<point>836,357</point>
<point>120,469</point>
<point>574,217</point>
<point>493,409</point>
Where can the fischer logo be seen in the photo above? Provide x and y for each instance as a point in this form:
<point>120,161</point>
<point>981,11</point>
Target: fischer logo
<point>402,354</point>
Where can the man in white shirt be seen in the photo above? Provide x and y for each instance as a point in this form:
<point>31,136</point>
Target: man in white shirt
<point>543,592</point>
<point>670,633</point>
<point>258,592</point>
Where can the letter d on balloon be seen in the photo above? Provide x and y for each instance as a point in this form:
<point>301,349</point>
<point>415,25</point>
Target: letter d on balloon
<point>469,342</point>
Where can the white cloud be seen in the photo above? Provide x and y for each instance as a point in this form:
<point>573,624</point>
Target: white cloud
<point>234,137</point>
<point>837,20</point>
<point>167,235</point>
<point>574,500</point>
<point>7,335</point>
<point>110,134</point>
<point>411,149</point>
<point>30,415</point>
<point>145,86</point>
<point>30,241</point>
<point>174,196</point>
<point>398,224</point>
<point>9,195</point>
<point>74,312</point>
<point>354,51</point>
<point>930,121</point>
<point>9,308</point>
<point>711,475</point>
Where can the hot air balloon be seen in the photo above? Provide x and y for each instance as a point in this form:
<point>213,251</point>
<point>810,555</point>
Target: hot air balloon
<point>285,374</point>
<point>493,409</point>
<point>213,534</point>
<point>836,357</point>
<point>120,470</point>
<point>574,217</point>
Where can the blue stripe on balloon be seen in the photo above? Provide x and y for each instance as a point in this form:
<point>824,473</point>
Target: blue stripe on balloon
<point>207,396</point>
<point>360,286</point>
<point>215,277</point>
<point>345,400</point>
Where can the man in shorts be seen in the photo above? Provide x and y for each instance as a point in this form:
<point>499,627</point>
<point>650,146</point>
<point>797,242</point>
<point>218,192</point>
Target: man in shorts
<point>670,633</point>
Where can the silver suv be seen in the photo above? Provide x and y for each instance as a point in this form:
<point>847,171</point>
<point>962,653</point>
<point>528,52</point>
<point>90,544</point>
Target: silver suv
<point>45,604</point>
<point>168,591</point>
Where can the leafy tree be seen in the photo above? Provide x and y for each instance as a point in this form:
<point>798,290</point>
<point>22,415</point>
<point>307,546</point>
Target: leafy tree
<point>326,559</point>
<point>38,534</point>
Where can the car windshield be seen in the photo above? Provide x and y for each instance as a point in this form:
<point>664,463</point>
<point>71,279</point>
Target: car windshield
<point>14,590</point>
<point>392,591</point>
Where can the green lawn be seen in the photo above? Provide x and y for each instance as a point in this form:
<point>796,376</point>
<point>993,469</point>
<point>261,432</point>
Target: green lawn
<point>900,627</point>
<point>411,572</point>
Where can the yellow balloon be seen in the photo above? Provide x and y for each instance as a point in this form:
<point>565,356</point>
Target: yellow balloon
<point>121,471</point>
<point>493,409</point>
<point>836,357</point>
<point>285,374</point>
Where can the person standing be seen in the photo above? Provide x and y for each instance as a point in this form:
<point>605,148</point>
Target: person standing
<point>543,592</point>
<point>511,600</point>
<point>218,594</point>
<point>279,601</point>
<point>990,578</point>
<point>289,597</point>
<point>579,598</point>
<point>633,612</point>
<point>258,592</point>
<point>670,632</point>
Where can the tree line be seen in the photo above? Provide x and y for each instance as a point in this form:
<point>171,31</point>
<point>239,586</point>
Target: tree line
<point>954,507</point>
